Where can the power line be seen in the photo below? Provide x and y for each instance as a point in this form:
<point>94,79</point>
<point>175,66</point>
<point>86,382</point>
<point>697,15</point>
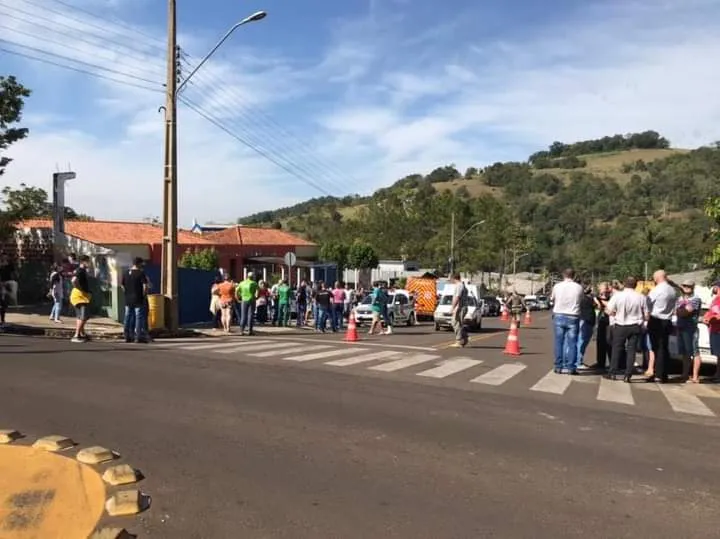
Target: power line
<point>78,70</point>
<point>46,39</point>
<point>99,41</point>
<point>95,66</point>
<point>115,20</point>
<point>270,128</point>
<point>198,110</point>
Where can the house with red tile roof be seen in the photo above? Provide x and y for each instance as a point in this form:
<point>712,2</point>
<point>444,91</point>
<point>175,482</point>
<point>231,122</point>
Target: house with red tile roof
<point>241,249</point>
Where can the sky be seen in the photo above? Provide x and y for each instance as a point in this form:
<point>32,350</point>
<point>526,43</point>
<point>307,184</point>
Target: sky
<point>324,97</point>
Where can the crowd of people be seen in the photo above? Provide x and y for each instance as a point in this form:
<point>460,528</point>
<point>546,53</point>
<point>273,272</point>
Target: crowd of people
<point>628,322</point>
<point>319,305</point>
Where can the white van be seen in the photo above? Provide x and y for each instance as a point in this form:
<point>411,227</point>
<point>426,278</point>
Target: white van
<point>443,312</point>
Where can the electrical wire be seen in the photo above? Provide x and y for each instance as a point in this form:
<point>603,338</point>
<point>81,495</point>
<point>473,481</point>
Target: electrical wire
<point>269,128</point>
<point>100,42</point>
<point>47,39</point>
<point>198,110</point>
<point>78,70</point>
<point>82,62</point>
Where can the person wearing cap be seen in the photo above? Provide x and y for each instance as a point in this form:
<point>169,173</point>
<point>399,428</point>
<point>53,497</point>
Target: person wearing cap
<point>687,311</point>
<point>246,292</point>
<point>712,320</point>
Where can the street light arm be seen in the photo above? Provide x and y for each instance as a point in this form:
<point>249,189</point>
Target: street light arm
<point>252,18</point>
<point>469,230</point>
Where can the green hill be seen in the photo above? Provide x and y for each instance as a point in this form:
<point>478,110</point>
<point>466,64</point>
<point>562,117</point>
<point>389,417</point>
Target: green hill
<point>605,206</point>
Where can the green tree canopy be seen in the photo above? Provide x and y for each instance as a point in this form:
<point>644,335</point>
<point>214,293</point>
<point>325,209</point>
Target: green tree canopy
<point>335,252</point>
<point>362,255</point>
<point>201,259</point>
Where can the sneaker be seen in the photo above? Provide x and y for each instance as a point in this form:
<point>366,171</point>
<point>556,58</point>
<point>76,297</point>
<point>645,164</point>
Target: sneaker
<point>77,339</point>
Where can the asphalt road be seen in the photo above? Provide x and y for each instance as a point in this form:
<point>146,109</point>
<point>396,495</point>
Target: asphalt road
<point>257,449</point>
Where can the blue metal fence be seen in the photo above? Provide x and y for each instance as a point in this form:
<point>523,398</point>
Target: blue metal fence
<point>193,292</point>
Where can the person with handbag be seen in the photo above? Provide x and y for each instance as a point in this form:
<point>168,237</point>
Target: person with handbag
<point>80,298</point>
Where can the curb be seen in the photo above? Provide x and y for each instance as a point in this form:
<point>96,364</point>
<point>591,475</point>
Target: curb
<point>122,498</point>
<point>115,335</point>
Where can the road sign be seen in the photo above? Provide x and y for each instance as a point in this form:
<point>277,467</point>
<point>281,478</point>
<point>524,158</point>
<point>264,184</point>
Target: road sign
<point>290,258</point>
<point>65,176</point>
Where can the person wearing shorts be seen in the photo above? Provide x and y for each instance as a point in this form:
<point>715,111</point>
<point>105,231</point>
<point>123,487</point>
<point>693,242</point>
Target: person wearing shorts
<point>687,310</point>
<point>80,298</point>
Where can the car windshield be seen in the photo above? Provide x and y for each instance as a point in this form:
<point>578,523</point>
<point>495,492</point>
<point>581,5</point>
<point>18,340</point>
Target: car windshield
<point>446,300</point>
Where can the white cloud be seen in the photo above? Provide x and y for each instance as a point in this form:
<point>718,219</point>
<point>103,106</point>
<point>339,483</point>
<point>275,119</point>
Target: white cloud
<point>385,99</point>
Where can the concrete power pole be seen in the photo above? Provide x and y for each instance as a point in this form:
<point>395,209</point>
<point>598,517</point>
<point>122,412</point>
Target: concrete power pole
<point>168,277</point>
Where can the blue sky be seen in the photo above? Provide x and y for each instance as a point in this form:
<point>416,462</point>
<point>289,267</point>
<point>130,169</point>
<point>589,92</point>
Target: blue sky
<point>345,96</point>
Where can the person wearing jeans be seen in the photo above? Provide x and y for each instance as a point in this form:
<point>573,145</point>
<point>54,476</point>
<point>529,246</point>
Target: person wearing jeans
<point>567,297</point>
<point>56,293</point>
<point>585,327</point>
<point>135,284</point>
<point>246,294</point>
<point>338,306</point>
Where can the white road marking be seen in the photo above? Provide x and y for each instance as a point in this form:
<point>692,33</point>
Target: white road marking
<point>416,359</point>
<point>702,390</point>
<point>683,402</point>
<point>618,392</point>
<point>500,375</point>
<point>322,355</point>
<point>553,383</point>
<point>384,341</point>
<point>255,347</point>
<point>219,345</point>
<point>278,351</point>
<point>449,367</point>
<point>362,358</point>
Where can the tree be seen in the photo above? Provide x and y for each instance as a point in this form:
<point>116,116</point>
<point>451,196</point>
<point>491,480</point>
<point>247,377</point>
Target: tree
<point>200,259</point>
<point>712,210</point>
<point>28,202</point>
<point>362,255</point>
<point>335,252</point>
<point>12,101</point>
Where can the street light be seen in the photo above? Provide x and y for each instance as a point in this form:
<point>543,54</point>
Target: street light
<point>168,276</point>
<point>453,241</point>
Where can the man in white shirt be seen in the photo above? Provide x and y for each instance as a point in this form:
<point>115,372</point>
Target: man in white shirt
<point>631,311</point>
<point>663,299</point>
<point>566,296</point>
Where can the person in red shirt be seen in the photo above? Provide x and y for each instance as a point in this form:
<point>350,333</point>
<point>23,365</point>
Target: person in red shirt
<point>712,320</point>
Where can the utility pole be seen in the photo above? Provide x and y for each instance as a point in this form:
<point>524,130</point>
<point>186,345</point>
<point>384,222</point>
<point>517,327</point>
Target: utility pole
<point>168,277</point>
<point>452,244</point>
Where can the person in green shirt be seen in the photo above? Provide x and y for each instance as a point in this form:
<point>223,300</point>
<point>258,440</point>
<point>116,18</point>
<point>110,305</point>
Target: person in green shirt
<point>283,303</point>
<point>246,293</point>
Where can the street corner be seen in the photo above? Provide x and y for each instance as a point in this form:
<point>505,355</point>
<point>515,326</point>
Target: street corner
<point>48,489</point>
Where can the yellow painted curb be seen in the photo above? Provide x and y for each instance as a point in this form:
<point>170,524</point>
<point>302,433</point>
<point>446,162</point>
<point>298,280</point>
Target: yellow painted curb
<point>54,443</point>
<point>8,436</point>
<point>112,533</point>
<point>126,502</point>
<point>45,494</point>
<point>95,455</point>
<point>123,474</point>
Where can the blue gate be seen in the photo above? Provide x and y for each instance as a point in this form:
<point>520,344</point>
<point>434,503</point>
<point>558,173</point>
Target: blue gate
<point>193,292</point>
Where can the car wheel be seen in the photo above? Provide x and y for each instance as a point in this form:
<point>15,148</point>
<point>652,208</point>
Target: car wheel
<point>437,327</point>
<point>412,321</point>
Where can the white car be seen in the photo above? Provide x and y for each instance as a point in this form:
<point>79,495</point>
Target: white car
<point>443,312</point>
<point>400,309</point>
<point>703,343</point>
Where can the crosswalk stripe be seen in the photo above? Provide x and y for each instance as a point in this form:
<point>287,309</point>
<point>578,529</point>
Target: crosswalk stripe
<point>618,392</point>
<point>683,402</point>
<point>385,354</point>
<point>449,367</point>
<point>323,355</point>
<point>278,351</point>
<point>255,347</point>
<point>701,390</point>
<point>553,383</point>
<point>220,345</point>
<point>500,375</point>
<point>416,359</point>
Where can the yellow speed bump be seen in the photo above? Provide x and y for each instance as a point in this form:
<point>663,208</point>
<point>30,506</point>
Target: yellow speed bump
<point>126,502</point>
<point>44,494</point>
<point>8,436</point>
<point>122,474</point>
<point>95,455</point>
<point>54,443</point>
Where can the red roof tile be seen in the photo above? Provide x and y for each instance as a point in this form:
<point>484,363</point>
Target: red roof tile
<point>116,232</point>
<point>244,235</point>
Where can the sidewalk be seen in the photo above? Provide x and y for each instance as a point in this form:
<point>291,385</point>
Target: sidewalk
<point>30,320</point>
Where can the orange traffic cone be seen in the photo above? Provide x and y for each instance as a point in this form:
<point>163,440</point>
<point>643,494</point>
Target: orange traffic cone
<point>505,317</point>
<point>528,318</point>
<point>351,335</point>
<point>512,346</point>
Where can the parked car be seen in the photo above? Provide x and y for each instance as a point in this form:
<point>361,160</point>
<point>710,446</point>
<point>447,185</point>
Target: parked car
<point>531,304</point>
<point>400,309</point>
<point>543,303</point>
<point>491,306</point>
<point>443,312</point>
